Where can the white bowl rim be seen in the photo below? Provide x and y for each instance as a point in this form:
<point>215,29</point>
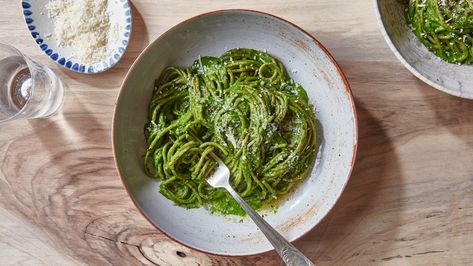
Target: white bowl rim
<point>326,52</point>
<point>407,65</point>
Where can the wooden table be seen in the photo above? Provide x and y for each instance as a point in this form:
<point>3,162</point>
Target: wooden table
<point>409,200</point>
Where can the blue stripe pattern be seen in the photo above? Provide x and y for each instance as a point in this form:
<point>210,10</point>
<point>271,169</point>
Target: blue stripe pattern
<point>70,64</point>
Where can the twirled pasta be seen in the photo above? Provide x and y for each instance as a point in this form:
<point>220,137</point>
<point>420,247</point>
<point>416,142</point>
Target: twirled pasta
<point>245,109</point>
<point>445,27</point>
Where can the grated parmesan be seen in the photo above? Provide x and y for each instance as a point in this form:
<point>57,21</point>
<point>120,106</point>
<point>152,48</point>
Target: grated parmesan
<point>84,27</point>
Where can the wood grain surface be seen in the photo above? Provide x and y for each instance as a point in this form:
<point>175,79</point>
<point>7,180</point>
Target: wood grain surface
<point>409,200</point>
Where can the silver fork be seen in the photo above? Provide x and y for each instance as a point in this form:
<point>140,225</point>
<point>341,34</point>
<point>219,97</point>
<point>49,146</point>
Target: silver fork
<point>288,253</point>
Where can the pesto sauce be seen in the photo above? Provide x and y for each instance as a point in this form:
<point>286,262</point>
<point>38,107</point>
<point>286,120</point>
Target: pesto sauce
<point>445,27</point>
<point>242,107</point>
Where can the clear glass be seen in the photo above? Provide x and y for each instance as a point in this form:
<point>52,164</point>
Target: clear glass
<point>27,88</point>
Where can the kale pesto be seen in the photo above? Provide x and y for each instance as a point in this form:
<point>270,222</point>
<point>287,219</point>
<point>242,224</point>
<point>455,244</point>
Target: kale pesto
<point>241,106</point>
<point>445,27</point>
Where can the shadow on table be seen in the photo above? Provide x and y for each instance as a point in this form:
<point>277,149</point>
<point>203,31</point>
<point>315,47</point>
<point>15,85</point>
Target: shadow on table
<point>452,113</point>
<point>74,125</point>
<point>139,39</point>
<point>358,215</point>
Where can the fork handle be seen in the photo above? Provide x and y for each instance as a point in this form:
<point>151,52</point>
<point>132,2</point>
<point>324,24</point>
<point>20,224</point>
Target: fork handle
<point>288,253</point>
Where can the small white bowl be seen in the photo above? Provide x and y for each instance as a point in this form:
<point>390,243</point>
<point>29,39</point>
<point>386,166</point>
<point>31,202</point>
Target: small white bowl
<point>41,28</point>
<point>306,61</point>
<point>450,78</point>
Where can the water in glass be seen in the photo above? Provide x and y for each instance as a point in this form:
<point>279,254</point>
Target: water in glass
<point>27,89</point>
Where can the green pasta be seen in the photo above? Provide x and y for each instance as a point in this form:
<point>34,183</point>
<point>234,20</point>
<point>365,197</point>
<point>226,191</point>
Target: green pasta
<point>242,107</point>
<point>445,27</point>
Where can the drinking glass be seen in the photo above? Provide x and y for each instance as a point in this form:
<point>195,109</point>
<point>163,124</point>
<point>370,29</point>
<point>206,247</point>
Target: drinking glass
<point>27,88</point>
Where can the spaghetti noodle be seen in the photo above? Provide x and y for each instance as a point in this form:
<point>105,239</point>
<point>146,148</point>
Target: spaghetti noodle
<point>445,27</point>
<point>244,108</point>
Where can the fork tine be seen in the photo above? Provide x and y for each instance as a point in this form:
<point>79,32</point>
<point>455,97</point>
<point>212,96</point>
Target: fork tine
<point>221,175</point>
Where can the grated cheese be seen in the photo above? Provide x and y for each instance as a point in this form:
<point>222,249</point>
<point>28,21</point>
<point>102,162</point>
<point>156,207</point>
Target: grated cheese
<point>84,27</point>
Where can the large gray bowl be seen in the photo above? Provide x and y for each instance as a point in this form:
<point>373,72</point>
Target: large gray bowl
<point>450,78</point>
<point>307,62</point>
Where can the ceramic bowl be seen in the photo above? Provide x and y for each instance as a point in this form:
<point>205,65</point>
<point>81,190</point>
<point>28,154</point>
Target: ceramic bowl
<point>450,78</point>
<point>41,28</point>
<point>307,62</point>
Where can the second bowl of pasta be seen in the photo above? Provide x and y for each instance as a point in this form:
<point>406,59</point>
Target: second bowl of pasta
<point>433,39</point>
